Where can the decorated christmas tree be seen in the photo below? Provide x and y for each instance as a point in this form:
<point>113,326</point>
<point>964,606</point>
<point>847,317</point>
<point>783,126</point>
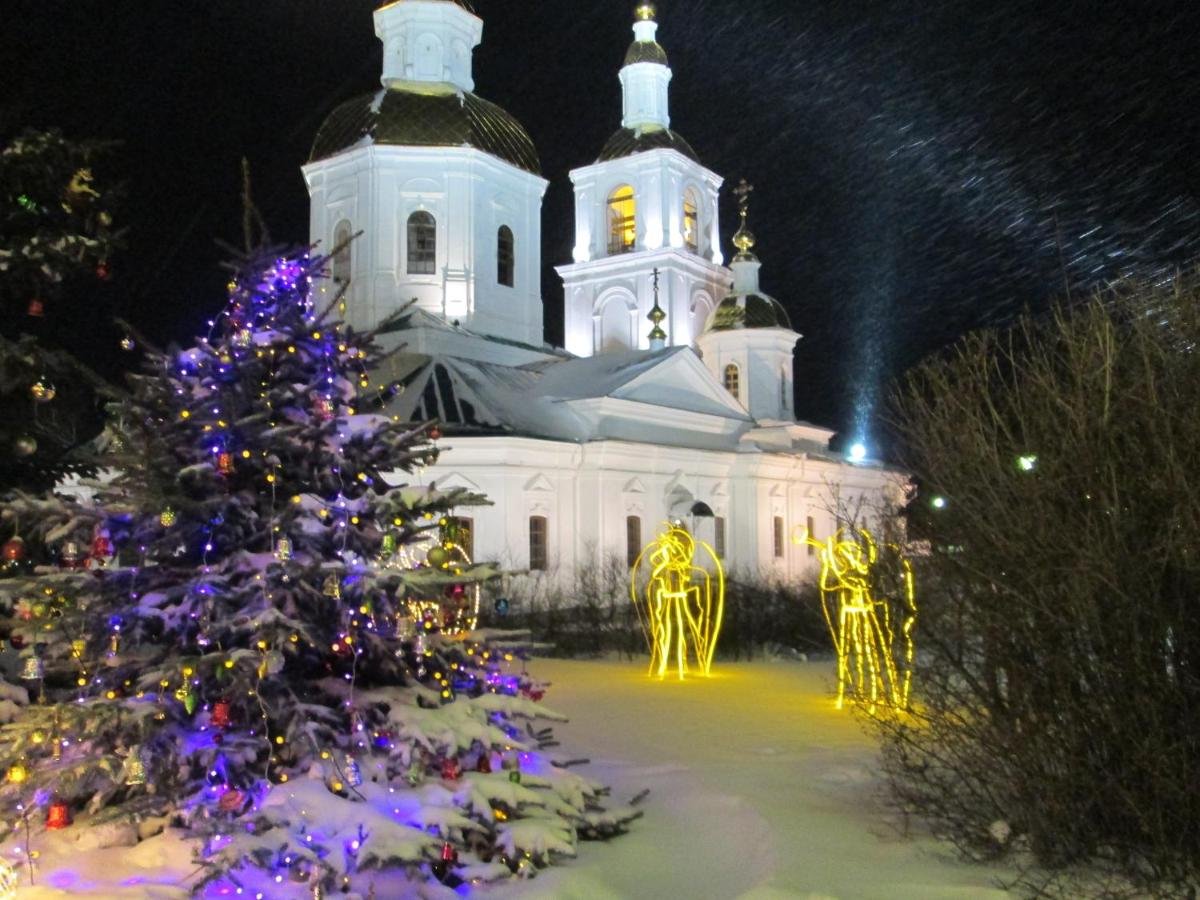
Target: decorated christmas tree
<point>261,631</point>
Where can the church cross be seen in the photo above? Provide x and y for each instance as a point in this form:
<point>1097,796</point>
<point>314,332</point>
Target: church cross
<point>743,192</point>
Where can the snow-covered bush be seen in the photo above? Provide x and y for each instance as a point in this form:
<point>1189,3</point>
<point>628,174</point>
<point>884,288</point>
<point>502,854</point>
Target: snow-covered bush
<point>1058,683</point>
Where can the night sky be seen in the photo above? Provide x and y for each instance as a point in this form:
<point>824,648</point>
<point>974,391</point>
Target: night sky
<point>922,168</point>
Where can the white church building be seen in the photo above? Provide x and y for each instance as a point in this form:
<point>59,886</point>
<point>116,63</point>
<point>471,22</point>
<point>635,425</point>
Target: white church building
<point>672,398</point>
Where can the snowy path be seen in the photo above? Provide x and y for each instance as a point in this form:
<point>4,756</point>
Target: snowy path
<point>760,789</point>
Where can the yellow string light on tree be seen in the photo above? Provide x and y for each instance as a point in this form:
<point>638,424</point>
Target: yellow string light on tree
<point>865,636</point>
<point>682,601</point>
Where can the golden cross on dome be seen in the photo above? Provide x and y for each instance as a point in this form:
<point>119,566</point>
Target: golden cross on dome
<point>743,192</point>
<point>645,12</point>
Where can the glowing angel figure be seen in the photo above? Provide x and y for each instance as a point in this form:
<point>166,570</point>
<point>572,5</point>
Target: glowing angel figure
<point>681,601</point>
<point>865,630</point>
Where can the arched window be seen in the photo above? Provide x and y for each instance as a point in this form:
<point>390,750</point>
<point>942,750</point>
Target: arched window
<point>538,544</point>
<point>784,401</point>
<point>633,539</point>
<point>505,252</point>
<point>422,244</point>
<point>733,381</point>
<point>691,221</point>
<point>622,221</point>
<point>342,260</point>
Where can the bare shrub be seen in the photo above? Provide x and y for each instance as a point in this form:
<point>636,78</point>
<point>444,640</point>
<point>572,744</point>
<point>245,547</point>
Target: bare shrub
<point>1057,698</point>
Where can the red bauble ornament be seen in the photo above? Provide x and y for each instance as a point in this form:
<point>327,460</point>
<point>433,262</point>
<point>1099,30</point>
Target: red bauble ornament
<point>17,641</point>
<point>449,854</point>
<point>103,271</point>
<point>485,764</point>
<point>36,308</point>
<point>231,801</point>
<point>451,769</point>
<point>13,550</point>
<point>102,546</point>
<point>225,463</point>
<point>58,815</point>
<point>435,433</point>
<point>220,714</point>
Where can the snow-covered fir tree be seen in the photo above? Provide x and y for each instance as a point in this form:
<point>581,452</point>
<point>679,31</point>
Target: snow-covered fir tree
<point>255,634</point>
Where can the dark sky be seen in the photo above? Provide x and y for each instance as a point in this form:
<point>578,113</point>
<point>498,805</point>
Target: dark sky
<point>923,166</point>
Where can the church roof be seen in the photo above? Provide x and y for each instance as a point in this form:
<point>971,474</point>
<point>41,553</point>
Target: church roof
<point>465,4</point>
<point>748,311</point>
<point>410,119</point>
<point>628,141</point>
<point>646,52</point>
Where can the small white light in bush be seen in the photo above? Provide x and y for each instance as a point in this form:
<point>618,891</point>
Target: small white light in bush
<point>858,452</point>
<point>1027,463</point>
<point>938,502</point>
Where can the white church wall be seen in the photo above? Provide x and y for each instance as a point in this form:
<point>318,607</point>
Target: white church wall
<point>470,194</point>
<point>586,491</point>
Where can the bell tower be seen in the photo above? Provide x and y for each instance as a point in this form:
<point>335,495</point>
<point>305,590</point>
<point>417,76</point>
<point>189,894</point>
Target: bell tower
<point>646,203</point>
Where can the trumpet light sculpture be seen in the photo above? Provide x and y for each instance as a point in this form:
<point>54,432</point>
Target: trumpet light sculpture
<point>872,628</point>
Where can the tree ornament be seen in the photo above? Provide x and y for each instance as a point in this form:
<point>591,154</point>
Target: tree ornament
<point>484,766</point>
<point>102,548</point>
<point>451,769</point>
<point>128,344</point>
<point>103,272</point>
<point>33,669</point>
<point>167,517</point>
<point>58,815</point>
<point>353,772</point>
<point>283,549</point>
<point>415,773</point>
<point>71,556</point>
<point>231,801</point>
<point>13,549</point>
<point>18,772</point>
<point>78,648</point>
<point>332,587</point>
<point>435,433</point>
<point>324,408</point>
<point>514,775</point>
<point>225,465</point>
<point>25,445</point>
<point>135,769</point>
<point>437,556</point>
<point>43,390</point>
<point>388,546</point>
<point>502,606</point>
<point>243,338</point>
<point>442,866</point>
<point>36,308</point>
<point>220,714</point>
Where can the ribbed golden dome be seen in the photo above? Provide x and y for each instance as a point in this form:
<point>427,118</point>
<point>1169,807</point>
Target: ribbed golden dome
<point>401,118</point>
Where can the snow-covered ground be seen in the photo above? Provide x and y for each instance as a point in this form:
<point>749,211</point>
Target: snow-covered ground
<point>759,789</point>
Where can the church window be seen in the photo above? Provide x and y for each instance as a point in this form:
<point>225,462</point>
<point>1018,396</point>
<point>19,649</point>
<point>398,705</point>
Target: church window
<point>784,405</point>
<point>719,536</point>
<point>422,244</point>
<point>505,262</point>
<point>811,525</point>
<point>622,221</point>
<point>464,535</point>
<point>691,222</point>
<point>538,544</point>
<point>341,253</point>
<point>633,539</point>
<point>778,536</point>
<point>733,381</point>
